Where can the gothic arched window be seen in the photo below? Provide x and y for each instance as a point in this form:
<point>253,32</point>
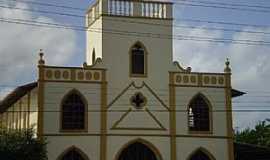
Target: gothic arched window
<point>200,155</point>
<point>138,60</point>
<point>73,154</point>
<point>74,112</point>
<point>199,114</point>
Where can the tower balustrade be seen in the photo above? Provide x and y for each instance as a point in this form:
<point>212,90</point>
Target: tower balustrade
<point>130,8</point>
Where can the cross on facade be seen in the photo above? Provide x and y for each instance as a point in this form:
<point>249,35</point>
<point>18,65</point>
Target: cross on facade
<point>138,100</point>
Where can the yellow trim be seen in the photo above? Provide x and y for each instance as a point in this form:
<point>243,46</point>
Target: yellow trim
<point>138,135</point>
<point>156,120</point>
<point>85,157</point>
<point>140,87</point>
<point>115,125</point>
<point>142,141</point>
<point>121,118</point>
<point>85,112</point>
<point>40,102</point>
<point>172,103</point>
<point>103,118</point>
<point>229,116</point>
<point>73,81</point>
<point>210,115</point>
<point>119,95</point>
<point>198,86</point>
<point>205,151</point>
<point>145,61</point>
<point>202,73</point>
<point>157,97</point>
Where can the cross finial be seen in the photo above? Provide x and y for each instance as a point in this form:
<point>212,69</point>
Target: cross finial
<point>227,68</point>
<point>41,60</point>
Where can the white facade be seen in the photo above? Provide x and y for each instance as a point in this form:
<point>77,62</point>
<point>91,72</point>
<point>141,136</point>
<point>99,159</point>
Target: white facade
<point>106,83</point>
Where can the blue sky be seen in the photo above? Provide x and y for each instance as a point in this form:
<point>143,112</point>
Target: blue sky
<point>251,71</point>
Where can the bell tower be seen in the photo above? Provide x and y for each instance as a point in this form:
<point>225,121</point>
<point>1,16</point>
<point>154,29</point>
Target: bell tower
<point>114,26</point>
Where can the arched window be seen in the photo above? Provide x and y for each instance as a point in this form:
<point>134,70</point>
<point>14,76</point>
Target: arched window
<point>73,154</point>
<point>199,114</point>
<point>201,154</point>
<point>74,112</point>
<point>138,60</point>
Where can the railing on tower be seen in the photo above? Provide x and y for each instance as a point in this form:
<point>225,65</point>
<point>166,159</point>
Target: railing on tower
<point>130,8</point>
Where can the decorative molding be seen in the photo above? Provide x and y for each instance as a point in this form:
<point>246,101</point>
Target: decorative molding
<point>140,87</point>
<point>136,135</point>
<point>176,63</point>
<point>116,124</point>
<point>156,120</point>
<point>103,117</point>
<point>229,115</point>
<point>119,95</point>
<point>194,79</point>
<point>172,115</point>
<point>41,84</point>
<point>84,74</point>
<point>156,96</point>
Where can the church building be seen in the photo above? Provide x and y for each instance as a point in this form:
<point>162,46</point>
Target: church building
<point>129,100</point>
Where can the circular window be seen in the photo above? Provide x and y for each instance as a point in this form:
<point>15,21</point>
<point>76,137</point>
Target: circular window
<point>138,100</point>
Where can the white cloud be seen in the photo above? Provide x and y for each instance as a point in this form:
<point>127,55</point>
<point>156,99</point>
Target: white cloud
<point>19,45</point>
<point>250,66</point>
<point>5,91</point>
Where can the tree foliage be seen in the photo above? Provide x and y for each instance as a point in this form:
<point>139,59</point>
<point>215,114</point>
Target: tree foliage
<point>260,135</point>
<point>21,145</point>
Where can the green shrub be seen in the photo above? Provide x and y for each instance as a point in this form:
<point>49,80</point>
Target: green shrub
<point>21,145</point>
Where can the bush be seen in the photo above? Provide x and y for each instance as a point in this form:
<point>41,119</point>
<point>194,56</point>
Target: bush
<point>21,145</point>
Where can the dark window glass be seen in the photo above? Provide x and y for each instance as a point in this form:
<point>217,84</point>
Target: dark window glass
<point>199,156</point>
<point>199,115</point>
<point>137,151</point>
<point>73,113</point>
<point>72,155</point>
<point>138,60</point>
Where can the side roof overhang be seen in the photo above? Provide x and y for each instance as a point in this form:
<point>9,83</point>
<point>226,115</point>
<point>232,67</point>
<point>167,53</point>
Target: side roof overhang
<point>236,93</point>
<point>15,95</point>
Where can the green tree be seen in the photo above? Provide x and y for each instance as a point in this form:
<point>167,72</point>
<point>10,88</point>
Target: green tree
<point>260,135</point>
<point>21,145</point>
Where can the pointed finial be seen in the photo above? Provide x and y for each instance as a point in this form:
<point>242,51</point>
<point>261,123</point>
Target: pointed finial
<point>227,68</point>
<point>41,60</point>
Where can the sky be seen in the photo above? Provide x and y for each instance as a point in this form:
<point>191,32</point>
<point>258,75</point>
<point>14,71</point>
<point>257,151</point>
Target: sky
<point>20,44</point>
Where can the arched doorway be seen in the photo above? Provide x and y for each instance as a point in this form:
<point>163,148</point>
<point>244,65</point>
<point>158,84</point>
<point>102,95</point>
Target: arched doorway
<point>73,153</point>
<point>201,154</point>
<point>138,150</point>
